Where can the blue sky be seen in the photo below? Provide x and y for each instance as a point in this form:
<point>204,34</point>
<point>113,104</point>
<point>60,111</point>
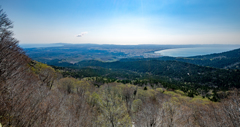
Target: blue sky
<point>125,21</point>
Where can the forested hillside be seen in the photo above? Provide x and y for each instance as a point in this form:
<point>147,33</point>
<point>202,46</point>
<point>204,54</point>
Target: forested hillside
<point>33,94</point>
<point>178,71</point>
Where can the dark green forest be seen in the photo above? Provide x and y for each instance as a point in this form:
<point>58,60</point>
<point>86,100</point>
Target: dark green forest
<point>171,74</point>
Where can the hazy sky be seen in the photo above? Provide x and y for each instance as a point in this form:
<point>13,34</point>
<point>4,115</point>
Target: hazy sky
<point>125,21</point>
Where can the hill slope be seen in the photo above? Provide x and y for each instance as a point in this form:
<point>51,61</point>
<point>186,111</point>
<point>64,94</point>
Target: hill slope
<point>174,70</point>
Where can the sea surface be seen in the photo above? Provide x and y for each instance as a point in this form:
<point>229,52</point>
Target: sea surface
<point>195,51</point>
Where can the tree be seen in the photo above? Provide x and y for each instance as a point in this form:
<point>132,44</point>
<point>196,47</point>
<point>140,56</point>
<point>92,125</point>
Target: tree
<point>45,73</point>
<point>67,84</point>
<point>12,58</point>
<point>145,88</point>
<point>128,96</point>
<point>113,111</point>
<point>13,68</point>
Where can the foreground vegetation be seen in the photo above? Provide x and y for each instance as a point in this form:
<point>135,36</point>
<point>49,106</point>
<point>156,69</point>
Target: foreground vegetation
<point>52,100</point>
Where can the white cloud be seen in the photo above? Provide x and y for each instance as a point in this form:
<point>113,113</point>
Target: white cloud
<point>82,34</point>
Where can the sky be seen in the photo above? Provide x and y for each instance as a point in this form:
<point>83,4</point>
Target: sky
<point>125,22</point>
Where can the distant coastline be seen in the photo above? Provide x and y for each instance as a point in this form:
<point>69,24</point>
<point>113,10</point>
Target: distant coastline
<point>39,45</point>
<point>196,51</point>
